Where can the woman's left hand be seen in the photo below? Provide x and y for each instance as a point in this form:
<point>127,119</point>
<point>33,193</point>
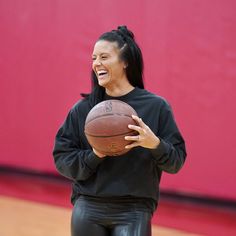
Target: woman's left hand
<point>146,138</point>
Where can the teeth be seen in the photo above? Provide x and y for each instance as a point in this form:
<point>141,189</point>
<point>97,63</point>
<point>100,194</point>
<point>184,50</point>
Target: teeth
<point>101,72</point>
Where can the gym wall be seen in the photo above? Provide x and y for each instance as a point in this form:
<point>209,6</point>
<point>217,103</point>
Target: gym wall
<point>190,56</point>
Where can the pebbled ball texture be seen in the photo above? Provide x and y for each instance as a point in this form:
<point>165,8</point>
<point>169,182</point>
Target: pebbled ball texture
<point>106,126</point>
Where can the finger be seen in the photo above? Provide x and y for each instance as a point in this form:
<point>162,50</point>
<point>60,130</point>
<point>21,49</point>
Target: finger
<point>132,145</point>
<point>132,138</point>
<point>136,128</point>
<point>99,154</point>
<point>139,121</point>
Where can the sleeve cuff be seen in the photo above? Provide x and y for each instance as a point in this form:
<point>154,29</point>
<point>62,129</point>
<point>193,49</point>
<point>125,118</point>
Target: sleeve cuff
<point>161,150</point>
<point>93,160</point>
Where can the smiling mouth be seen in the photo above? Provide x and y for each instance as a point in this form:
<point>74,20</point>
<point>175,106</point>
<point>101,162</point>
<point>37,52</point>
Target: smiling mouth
<point>101,74</point>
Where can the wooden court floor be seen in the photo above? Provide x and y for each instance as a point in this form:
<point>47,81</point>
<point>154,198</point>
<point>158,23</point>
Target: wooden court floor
<point>39,205</point>
<point>27,218</point>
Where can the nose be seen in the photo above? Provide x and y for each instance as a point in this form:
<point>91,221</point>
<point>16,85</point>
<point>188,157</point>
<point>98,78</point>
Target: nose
<point>97,62</point>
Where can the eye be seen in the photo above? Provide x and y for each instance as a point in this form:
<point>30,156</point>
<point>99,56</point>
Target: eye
<point>93,58</point>
<point>104,57</point>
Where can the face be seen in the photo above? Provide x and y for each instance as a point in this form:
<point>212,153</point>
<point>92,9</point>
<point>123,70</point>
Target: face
<point>107,65</point>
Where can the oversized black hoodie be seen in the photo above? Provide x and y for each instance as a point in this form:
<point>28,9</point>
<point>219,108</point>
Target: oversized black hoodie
<point>135,174</point>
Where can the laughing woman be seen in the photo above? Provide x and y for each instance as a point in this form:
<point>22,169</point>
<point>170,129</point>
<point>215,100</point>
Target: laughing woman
<point>116,196</point>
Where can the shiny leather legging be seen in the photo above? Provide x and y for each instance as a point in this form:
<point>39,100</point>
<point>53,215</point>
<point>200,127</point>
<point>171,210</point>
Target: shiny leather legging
<point>91,218</point>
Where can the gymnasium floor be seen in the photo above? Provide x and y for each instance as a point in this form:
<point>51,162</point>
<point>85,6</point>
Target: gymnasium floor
<point>34,205</point>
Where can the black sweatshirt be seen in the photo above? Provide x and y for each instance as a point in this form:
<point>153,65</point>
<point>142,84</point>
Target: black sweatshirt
<point>135,174</point>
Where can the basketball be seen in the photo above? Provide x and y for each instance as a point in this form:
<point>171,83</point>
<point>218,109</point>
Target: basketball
<point>106,126</point>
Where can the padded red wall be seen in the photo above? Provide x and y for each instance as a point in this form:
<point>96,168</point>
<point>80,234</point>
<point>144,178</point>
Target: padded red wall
<point>190,59</point>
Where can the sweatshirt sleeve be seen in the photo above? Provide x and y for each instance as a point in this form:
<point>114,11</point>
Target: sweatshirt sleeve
<point>70,159</point>
<point>170,154</point>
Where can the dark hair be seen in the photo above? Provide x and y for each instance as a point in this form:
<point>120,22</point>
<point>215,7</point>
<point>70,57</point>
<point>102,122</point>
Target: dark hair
<point>130,54</point>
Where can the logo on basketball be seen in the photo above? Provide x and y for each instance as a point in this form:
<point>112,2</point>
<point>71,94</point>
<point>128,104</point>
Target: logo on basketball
<point>108,106</point>
<point>113,147</point>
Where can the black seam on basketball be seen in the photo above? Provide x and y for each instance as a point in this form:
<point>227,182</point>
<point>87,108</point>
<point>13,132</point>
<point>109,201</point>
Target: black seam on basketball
<point>108,114</point>
<point>105,136</point>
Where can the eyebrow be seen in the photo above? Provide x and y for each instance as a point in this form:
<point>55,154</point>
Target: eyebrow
<point>103,53</point>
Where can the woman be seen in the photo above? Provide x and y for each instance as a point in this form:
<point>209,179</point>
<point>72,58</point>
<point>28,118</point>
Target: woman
<point>116,196</point>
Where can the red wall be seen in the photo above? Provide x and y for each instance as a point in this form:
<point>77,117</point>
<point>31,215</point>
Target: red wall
<point>190,59</point>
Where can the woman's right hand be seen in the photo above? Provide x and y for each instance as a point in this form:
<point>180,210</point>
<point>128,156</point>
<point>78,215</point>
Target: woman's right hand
<point>100,155</point>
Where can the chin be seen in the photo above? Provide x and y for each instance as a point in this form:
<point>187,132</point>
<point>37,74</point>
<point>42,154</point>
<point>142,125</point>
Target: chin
<point>103,83</point>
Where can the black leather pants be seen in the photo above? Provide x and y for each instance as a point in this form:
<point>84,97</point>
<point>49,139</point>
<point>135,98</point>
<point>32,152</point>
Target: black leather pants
<point>91,218</point>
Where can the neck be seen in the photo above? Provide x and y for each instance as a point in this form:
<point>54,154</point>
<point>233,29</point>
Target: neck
<point>119,91</point>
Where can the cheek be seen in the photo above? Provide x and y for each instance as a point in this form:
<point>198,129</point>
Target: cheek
<point>93,66</point>
<point>116,66</point>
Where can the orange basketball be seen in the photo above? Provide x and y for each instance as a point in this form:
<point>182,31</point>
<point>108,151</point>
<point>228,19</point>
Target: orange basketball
<point>106,126</point>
